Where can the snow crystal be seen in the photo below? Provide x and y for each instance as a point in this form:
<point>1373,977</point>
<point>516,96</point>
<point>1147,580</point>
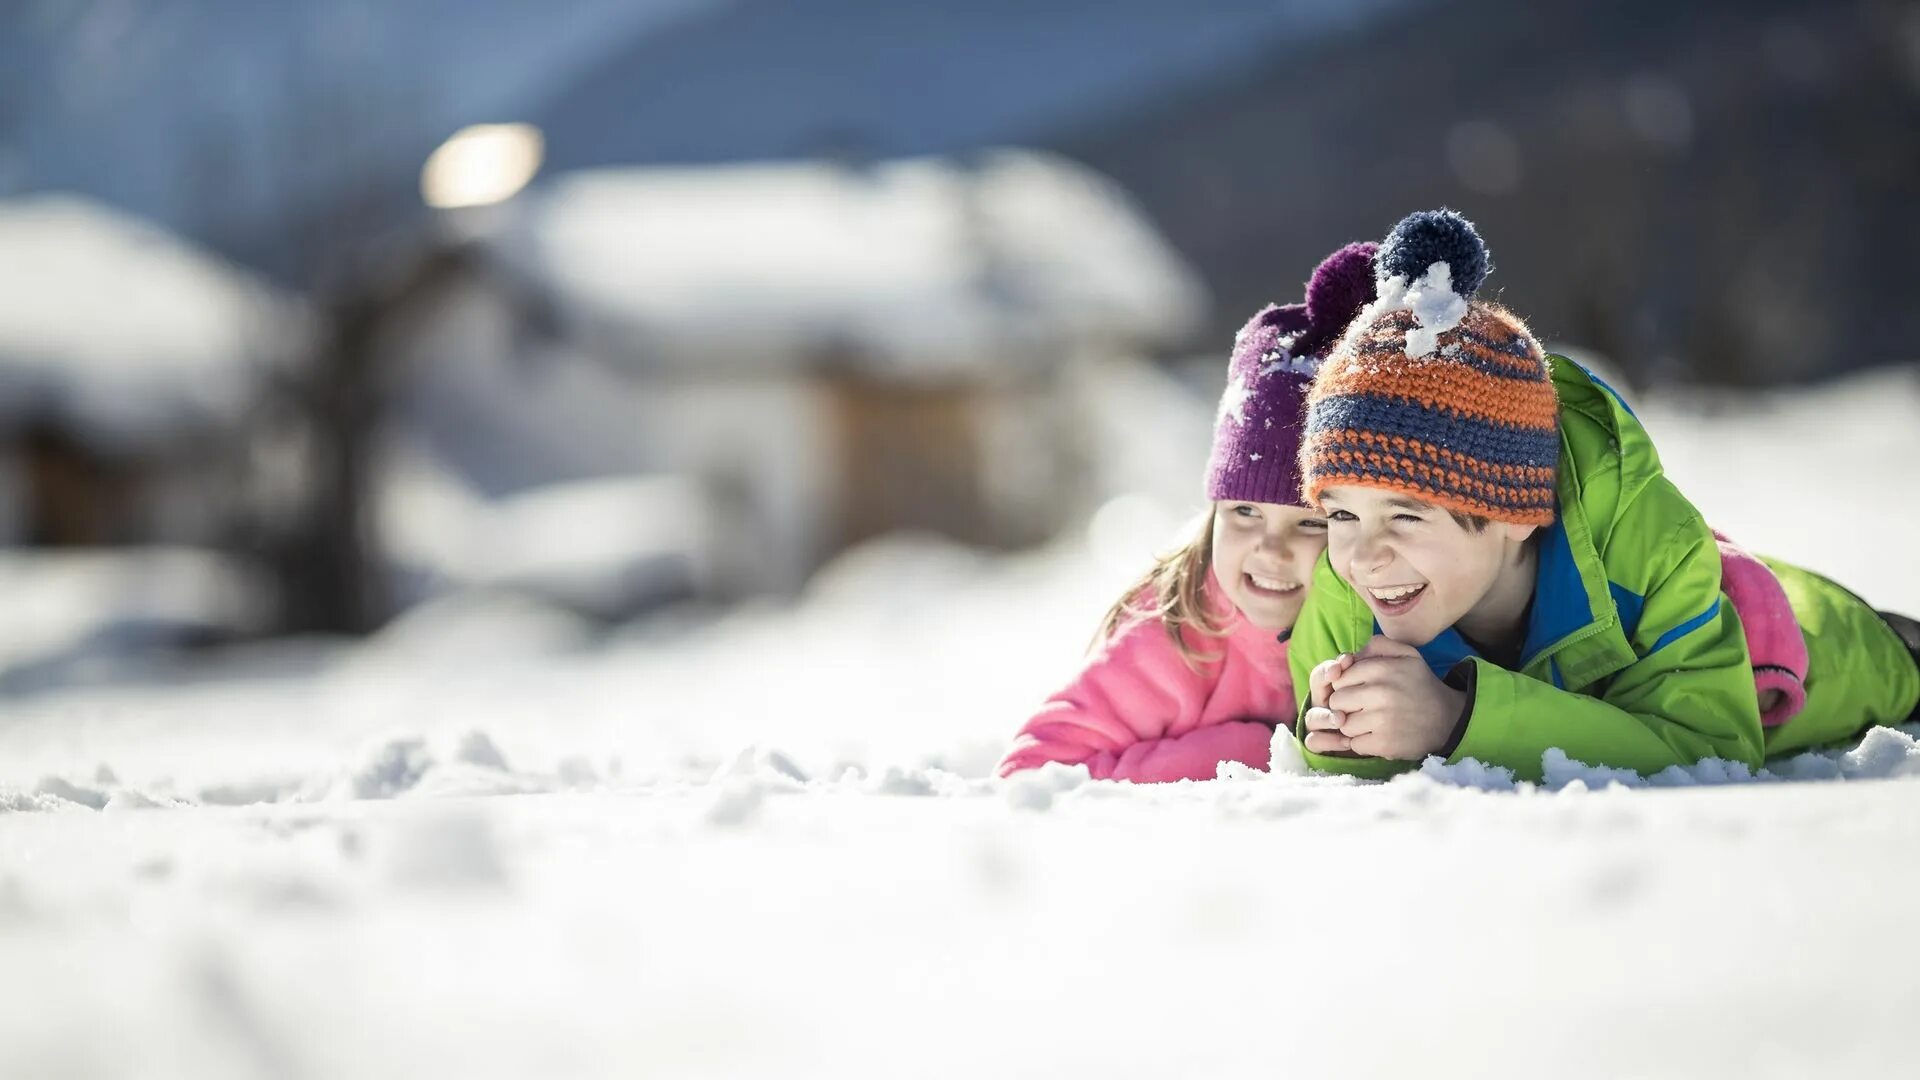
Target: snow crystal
<point>1063,777</point>
<point>1881,753</point>
<point>1234,401</point>
<point>894,780</point>
<point>734,801</point>
<point>1711,771</point>
<point>1284,755</point>
<point>1560,771</point>
<point>388,767</point>
<point>1435,306</point>
<point>72,792</point>
<point>15,801</point>
<point>130,799</point>
<point>1808,766</point>
<point>762,765</point>
<point>1034,789</point>
<point>1468,773</point>
<point>1025,791</point>
<point>475,748</point>
<point>1235,771</point>
<point>1884,753</point>
<point>1282,358</point>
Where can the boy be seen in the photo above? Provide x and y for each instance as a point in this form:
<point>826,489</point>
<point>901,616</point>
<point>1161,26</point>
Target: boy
<point>1509,570</point>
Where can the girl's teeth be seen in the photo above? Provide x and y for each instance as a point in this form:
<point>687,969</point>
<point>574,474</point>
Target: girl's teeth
<point>1271,584</point>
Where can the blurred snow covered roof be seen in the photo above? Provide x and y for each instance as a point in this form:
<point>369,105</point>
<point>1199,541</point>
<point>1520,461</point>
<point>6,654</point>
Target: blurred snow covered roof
<point>119,331</point>
<point>925,264</point>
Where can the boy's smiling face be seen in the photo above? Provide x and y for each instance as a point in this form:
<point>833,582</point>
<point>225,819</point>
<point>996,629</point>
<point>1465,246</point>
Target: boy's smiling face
<point>1421,571</point>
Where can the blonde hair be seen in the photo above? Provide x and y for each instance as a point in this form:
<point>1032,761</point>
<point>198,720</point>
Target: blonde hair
<point>1175,592</point>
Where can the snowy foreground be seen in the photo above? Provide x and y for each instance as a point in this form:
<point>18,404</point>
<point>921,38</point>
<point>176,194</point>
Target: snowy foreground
<point>488,844</point>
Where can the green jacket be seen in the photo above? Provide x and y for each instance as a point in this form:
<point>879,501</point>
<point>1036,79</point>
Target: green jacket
<point>1632,657</point>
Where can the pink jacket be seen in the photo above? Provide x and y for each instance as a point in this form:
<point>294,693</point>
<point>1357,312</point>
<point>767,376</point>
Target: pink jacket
<point>1139,712</point>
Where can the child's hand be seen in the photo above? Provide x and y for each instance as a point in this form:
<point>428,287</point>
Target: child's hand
<point>1323,724</point>
<point>1320,681</point>
<point>1391,704</point>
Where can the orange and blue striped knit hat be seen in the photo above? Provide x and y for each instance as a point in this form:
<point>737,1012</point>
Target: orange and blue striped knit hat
<point>1434,394</point>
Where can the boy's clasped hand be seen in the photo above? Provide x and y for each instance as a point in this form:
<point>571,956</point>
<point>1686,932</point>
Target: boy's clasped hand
<point>1381,702</point>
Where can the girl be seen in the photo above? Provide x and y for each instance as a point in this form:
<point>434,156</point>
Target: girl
<point>1509,570</point>
<point>1189,668</point>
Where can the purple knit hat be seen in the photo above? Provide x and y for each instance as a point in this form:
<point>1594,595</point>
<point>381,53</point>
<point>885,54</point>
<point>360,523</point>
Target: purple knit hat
<point>1256,435</point>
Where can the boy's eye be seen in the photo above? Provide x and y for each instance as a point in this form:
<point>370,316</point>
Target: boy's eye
<point>1341,516</point>
<point>1408,517</point>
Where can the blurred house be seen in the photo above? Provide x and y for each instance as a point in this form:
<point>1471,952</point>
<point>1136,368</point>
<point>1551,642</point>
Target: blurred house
<point>134,371</point>
<point>827,352</point>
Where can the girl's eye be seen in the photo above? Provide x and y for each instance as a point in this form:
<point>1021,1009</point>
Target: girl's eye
<point>1341,516</point>
<point>1246,511</point>
<point>1314,525</point>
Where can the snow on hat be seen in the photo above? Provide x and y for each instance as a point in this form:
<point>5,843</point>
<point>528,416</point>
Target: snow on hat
<point>1434,394</point>
<point>1256,437</point>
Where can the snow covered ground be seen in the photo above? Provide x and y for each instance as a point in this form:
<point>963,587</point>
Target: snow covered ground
<point>491,843</point>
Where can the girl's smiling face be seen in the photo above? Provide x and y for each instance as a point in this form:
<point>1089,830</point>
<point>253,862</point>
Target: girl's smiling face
<point>1421,570</point>
<point>1263,556</point>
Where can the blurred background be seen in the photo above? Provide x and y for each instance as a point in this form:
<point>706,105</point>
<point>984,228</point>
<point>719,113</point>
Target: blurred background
<point>319,316</point>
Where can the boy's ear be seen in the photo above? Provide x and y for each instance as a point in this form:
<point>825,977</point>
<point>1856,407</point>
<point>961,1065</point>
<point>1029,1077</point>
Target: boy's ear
<point>1518,534</point>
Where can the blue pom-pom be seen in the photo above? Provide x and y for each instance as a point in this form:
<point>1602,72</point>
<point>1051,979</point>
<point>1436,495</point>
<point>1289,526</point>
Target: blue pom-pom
<point>1430,236</point>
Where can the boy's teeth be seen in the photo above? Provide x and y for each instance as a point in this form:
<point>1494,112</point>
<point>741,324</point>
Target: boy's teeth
<point>1400,592</point>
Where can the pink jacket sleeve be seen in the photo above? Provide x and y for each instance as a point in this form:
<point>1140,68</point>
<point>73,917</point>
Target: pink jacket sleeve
<point>1774,640</point>
<point>1120,717</point>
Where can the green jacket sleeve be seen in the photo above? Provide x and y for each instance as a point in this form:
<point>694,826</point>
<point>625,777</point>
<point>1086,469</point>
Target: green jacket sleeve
<point>1688,696</point>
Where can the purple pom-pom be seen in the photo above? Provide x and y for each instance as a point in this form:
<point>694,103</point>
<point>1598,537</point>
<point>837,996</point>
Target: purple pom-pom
<point>1341,285</point>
